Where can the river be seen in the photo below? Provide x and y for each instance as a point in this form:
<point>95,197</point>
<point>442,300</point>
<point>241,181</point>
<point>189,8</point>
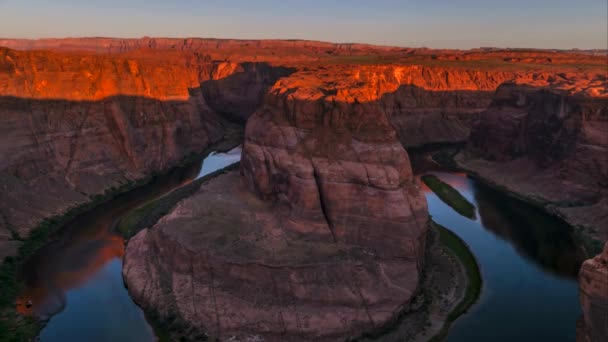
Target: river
<point>528,262</point>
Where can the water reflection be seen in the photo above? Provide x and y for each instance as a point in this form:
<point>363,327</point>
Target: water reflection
<point>76,280</point>
<point>527,260</point>
<point>544,240</point>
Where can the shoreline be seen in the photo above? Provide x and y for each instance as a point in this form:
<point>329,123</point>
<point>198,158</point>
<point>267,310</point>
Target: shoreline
<point>462,253</point>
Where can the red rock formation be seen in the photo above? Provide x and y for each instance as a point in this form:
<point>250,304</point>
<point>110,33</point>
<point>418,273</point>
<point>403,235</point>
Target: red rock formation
<point>593,280</point>
<point>335,158</point>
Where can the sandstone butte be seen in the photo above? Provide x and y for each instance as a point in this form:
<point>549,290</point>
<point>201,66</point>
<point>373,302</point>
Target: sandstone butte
<point>321,234</point>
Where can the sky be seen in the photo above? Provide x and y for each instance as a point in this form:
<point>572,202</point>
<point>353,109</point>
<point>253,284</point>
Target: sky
<point>414,23</point>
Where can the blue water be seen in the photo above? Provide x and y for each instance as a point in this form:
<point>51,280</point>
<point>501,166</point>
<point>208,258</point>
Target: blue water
<point>76,280</point>
<point>99,310</point>
<point>528,264</point>
<point>216,161</point>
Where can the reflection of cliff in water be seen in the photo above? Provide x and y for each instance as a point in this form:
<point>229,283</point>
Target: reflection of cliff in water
<point>82,248</point>
<point>535,235</point>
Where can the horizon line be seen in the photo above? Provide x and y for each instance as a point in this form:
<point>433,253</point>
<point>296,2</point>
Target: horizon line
<point>602,49</point>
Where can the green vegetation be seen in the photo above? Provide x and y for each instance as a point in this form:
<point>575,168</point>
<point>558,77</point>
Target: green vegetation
<point>450,196</point>
<point>459,249</point>
<point>148,214</point>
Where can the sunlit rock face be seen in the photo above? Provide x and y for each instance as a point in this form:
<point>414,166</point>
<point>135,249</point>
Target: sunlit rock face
<point>593,280</point>
<point>83,115</point>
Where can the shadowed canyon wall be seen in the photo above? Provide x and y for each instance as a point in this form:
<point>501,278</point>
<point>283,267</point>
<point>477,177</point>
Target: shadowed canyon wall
<point>549,146</point>
<point>74,126</point>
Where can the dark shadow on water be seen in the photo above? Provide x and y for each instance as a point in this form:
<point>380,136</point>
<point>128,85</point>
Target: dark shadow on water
<point>539,237</point>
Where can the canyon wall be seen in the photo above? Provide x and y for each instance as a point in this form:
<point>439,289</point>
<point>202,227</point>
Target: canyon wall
<point>550,146</point>
<point>80,122</point>
<point>75,126</point>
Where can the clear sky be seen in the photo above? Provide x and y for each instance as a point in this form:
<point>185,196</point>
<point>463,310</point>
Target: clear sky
<point>432,23</point>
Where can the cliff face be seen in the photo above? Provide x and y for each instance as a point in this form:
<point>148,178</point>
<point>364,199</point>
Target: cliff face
<point>547,145</point>
<point>73,126</point>
<point>593,280</point>
<point>335,159</point>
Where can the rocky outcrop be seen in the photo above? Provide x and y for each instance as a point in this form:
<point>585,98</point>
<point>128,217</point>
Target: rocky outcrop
<point>336,162</point>
<point>550,146</point>
<point>593,282</point>
<point>321,238</point>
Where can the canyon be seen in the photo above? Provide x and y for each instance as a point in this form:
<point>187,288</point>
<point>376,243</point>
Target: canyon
<point>321,232</point>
